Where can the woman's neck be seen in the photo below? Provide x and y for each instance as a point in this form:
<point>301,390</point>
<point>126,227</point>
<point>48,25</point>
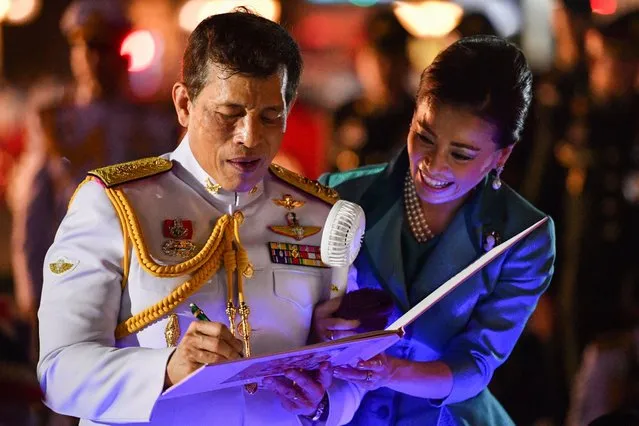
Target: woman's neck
<point>439,216</point>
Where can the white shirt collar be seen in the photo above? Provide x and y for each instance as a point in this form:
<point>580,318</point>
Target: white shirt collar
<point>225,201</point>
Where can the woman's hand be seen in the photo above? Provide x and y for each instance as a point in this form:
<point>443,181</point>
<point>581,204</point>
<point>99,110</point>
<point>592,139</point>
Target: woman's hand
<point>325,327</point>
<point>372,374</point>
<point>422,379</point>
<point>301,391</point>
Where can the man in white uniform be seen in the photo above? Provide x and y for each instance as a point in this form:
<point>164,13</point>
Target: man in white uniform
<point>212,223</point>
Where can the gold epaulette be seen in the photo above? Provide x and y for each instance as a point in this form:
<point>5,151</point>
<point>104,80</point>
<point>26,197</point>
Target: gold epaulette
<point>312,187</point>
<point>132,170</point>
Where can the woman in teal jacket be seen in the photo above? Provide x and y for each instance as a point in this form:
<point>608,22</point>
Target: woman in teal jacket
<point>430,212</point>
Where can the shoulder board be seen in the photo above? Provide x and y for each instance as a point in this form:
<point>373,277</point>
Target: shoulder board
<point>312,187</point>
<point>133,170</point>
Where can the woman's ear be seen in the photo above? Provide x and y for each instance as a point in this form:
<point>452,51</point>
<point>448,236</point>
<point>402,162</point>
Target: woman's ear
<point>502,156</point>
<point>181,102</point>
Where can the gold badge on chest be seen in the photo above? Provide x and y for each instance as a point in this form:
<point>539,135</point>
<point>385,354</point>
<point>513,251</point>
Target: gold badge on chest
<point>179,233</point>
<point>213,188</point>
<point>172,331</point>
<point>293,228</point>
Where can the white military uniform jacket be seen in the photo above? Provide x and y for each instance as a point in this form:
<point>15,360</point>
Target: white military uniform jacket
<point>95,279</point>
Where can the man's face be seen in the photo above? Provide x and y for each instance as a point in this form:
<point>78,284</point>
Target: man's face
<point>235,125</point>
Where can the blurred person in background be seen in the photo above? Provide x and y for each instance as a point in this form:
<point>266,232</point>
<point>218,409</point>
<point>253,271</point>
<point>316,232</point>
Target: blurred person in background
<point>606,386</point>
<point>12,105</point>
<point>600,154</point>
<point>20,394</point>
<point>542,359</point>
<point>94,122</point>
<point>603,172</point>
<point>370,128</point>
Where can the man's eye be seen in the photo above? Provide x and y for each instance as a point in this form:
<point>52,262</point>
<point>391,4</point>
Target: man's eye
<point>227,116</point>
<point>272,118</point>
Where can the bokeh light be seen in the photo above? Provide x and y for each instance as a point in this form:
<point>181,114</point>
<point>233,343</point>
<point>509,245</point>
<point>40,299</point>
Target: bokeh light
<point>194,11</point>
<point>428,18</point>
<point>22,11</point>
<point>5,5</point>
<point>140,47</point>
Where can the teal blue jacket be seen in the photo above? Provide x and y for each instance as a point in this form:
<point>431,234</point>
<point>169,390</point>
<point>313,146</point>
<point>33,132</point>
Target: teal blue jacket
<point>475,327</point>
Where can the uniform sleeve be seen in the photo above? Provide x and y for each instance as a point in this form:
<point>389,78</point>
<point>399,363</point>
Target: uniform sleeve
<point>499,319</point>
<point>80,370</point>
<point>343,400</point>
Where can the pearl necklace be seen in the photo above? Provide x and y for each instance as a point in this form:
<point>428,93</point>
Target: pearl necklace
<point>416,219</point>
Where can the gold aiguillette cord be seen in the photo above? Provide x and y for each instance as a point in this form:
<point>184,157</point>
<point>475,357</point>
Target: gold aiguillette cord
<point>238,261</point>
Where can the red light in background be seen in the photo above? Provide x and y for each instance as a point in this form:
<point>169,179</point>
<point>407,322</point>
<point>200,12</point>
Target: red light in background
<point>141,49</point>
<point>603,7</point>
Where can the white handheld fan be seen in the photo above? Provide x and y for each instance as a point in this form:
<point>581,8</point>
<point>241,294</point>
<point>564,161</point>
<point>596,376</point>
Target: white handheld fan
<point>341,241</point>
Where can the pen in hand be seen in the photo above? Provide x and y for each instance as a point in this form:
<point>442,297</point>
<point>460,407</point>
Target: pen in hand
<point>199,313</point>
<point>251,388</point>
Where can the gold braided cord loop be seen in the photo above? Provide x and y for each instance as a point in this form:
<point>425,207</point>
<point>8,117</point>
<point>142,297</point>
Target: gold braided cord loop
<point>126,262</point>
<point>86,179</point>
<point>243,264</point>
<point>145,260</point>
<point>177,296</point>
<point>226,231</point>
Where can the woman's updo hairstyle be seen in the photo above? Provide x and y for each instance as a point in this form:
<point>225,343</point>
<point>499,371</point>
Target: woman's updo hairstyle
<point>485,75</point>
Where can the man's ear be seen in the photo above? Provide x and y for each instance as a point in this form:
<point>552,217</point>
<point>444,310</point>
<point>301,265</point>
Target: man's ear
<point>181,102</point>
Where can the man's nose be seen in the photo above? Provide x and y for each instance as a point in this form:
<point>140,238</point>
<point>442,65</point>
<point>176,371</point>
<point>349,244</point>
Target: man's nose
<point>249,132</point>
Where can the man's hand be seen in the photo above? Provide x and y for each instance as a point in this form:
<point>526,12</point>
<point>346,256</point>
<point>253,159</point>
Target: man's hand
<point>325,327</point>
<point>301,391</point>
<point>203,343</point>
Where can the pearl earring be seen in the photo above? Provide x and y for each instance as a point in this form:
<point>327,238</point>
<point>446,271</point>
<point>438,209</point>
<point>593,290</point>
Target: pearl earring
<point>497,179</point>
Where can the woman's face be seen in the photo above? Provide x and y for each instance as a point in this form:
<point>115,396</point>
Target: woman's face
<point>451,150</point>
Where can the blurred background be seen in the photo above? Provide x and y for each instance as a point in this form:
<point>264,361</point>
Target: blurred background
<point>578,160</point>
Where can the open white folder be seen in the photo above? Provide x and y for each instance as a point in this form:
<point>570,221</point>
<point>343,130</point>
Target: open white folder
<point>337,352</point>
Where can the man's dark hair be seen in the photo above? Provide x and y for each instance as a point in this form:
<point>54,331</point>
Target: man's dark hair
<point>240,42</point>
<point>486,75</point>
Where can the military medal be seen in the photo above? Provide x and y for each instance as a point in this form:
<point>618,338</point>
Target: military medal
<point>179,248</point>
<point>179,232</point>
<point>213,188</point>
<point>293,228</point>
<point>177,229</point>
<point>288,202</point>
<point>296,254</point>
